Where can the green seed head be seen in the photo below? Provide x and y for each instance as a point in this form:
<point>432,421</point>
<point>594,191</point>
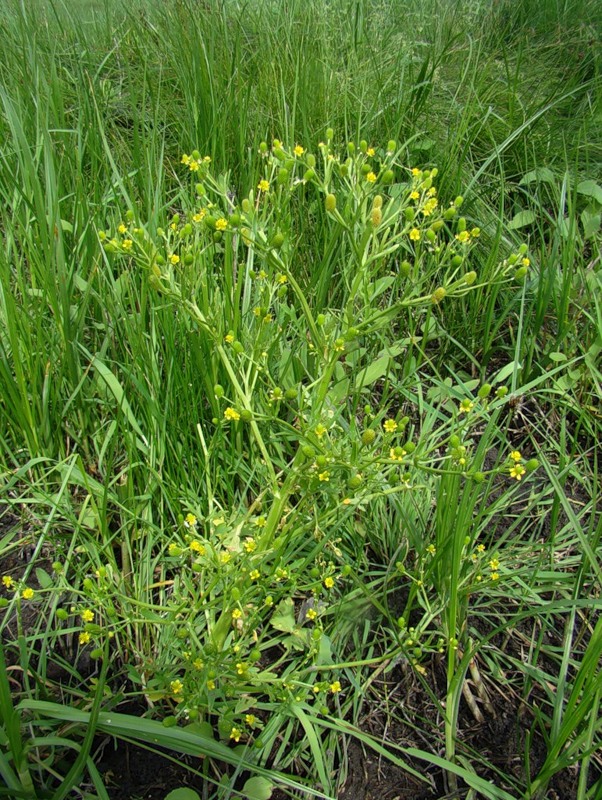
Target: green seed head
<point>368,437</point>
<point>330,202</point>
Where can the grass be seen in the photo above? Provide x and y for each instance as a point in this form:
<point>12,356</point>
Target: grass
<point>250,385</point>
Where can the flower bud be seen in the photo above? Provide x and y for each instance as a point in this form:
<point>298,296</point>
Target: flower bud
<point>461,224</point>
<point>277,240</point>
<point>320,319</point>
<point>391,146</point>
<point>263,147</point>
<point>330,202</point>
<point>454,440</point>
<point>520,273</point>
<point>308,451</point>
<point>470,278</point>
<point>405,268</point>
<point>409,447</point>
<point>377,202</point>
<point>502,392</point>
<point>431,235</point>
<point>456,261</point>
<point>218,390</point>
<point>329,133</point>
<point>484,391</point>
<point>309,175</point>
<point>532,465</point>
<point>458,201</point>
<point>449,213</point>
<point>282,177</point>
<point>246,205</point>
<point>311,160</point>
<point>387,177</point>
<point>350,148</point>
<point>408,213</point>
<point>478,477</point>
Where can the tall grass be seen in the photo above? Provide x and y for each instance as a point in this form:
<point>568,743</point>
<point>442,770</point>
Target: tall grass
<point>107,395</point>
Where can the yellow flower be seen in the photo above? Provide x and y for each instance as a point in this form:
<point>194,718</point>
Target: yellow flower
<point>87,615</point>
<point>210,684</point>
<point>335,687</point>
<point>194,165</point>
<point>517,471</point>
<point>320,430</point>
<point>235,734</point>
<point>255,575</point>
<point>231,414</point>
<point>200,215</point>
<point>250,544</point>
<point>526,262</point>
<point>127,244</point>
<point>298,150</point>
<point>190,521</point>
<point>8,581</point>
<point>515,455</point>
<point>324,476</point>
<point>390,425</point>
<point>328,582</point>
<point>84,638</point>
<point>397,453</point>
<point>250,719</point>
<point>174,259</point>
<point>27,594</point>
<point>237,613</point>
<point>261,522</point>
<point>263,185</point>
<point>429,207</point>
<point>221,224</point>
<point>370,152</point>
<point>466,406</point>
<point>414,195</point>
<point>495,576</point>
<point>176,686</point>
<point>475,233</point>
<point>415,235</point>
<point>197,547</point>
<point>480,548</point>
<point>494,564</point>
<point>371,177</point>
<point>122,228</point>
<point>185,159</point>
<point>463,237</point>
<point>229,338</point>
<point>311,614</point>
<point>431,549</point>
<point>416,172</point>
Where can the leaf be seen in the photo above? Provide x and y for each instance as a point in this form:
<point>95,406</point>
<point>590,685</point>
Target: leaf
<point>44,578</point>
<point>590,220</point>
<point>521,219</point>
<point>591,189</point>
<point>537,175</point>
<point>506,371</point>
<point>557,357</point>
<point>283,618</point>
<point>183,794</point>
<point>258,789</point>
<point>377,369</point>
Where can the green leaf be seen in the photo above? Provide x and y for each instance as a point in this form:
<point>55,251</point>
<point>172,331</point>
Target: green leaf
<point>283,618</point>
<point>591,189</point>
<point>258,789</point>
<point>377,369</point>
<point>44,578</point>
<point>558,357</point>
<point>522,219</point>
<point>183,794</point>
<point>538,175</point>
<point>590,219</point>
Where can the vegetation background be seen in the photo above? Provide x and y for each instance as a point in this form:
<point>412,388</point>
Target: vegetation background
<point>105,384</point>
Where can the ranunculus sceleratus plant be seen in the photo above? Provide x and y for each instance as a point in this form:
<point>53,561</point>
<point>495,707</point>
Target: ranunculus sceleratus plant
<point>294,371</point>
